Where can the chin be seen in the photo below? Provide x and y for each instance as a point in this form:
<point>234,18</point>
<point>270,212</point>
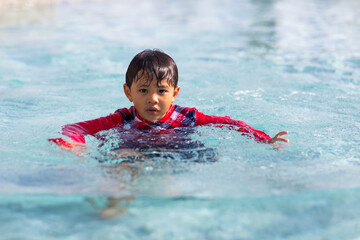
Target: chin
<point>152,119</point>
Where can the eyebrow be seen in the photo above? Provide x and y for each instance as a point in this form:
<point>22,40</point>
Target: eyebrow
<point>143,85</point>
<point>148,85</point>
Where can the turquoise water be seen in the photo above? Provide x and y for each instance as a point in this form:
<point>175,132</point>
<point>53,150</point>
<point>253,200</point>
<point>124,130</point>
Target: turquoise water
<point>277,65</point>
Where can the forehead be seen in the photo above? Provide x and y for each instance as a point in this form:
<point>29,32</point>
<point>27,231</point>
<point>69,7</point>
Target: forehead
<point>147,80</point>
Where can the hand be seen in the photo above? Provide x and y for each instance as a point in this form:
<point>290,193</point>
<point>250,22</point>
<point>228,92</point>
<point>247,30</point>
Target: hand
<point>278,138</point>
<point>77,148</point>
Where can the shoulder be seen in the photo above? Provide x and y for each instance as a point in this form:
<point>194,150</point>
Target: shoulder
<point>185,115</point>
<point>184,110</point>
<point>126,112</point>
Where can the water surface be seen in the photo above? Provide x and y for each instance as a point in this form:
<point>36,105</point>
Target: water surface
<point>277,65</point>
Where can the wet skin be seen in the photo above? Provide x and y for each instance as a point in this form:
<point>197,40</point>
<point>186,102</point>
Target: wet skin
<point>151,100</point>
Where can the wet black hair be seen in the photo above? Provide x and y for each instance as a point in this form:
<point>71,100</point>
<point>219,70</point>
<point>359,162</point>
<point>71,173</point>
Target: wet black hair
<point>154,63</point>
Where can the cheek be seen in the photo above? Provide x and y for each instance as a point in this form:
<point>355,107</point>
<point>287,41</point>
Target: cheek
<point>137,102</point>
<point>169,101</point>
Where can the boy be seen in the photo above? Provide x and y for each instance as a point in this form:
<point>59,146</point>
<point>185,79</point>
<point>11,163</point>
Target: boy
<point>151,84</point>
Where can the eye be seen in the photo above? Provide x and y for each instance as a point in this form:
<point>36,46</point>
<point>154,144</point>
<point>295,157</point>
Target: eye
<point>162,91</point>
<point>142,90</point>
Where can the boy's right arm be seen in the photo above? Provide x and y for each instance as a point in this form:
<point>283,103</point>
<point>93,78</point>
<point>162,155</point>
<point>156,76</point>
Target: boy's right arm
<point>78,131</point>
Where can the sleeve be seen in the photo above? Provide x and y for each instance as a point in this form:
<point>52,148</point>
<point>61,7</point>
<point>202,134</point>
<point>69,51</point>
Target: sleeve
<point>77,131</point>
<point>240,126</point>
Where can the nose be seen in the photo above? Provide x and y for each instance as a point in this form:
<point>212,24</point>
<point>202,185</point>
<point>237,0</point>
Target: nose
<point>153,98</point>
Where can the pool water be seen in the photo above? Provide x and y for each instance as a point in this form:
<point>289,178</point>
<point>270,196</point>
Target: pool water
<point>277,65</point>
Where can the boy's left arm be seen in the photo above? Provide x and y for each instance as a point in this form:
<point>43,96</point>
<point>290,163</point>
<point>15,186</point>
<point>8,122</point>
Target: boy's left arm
<point>203,119</point>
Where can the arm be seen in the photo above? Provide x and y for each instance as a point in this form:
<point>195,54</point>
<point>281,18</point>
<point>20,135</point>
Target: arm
<point>240,126</point>
<point>77,131</point>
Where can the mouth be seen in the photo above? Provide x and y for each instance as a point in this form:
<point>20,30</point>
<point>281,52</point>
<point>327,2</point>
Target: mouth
<point>152,110</point>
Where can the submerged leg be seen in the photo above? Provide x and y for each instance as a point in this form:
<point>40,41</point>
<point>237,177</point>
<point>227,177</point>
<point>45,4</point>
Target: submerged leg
<point>116,207</point>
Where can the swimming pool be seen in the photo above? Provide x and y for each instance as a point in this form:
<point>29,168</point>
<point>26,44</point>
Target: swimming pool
<point>277,65</point>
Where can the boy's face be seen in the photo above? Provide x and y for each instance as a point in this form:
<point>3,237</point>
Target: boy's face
<point>150,100</point>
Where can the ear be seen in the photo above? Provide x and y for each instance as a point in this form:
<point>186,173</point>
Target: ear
<point>176,92</point>
<point>127,92</point>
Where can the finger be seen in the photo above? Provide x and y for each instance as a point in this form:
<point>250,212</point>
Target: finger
<point>274,140</point>
<point>281,133</point>
<point>281,140</point>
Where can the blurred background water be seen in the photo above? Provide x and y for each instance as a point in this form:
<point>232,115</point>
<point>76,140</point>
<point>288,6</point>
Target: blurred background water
<point>275,64</point>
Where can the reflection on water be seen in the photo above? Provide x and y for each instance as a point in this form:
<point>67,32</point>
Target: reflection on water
<point>306,30</point>
<point>119,145</point>
<point>261,35</point>
<point>324,34</point>
<point>23,12</point>
<point>130,157</point>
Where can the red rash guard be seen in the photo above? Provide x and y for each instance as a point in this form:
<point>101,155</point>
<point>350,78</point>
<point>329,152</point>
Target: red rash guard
<point>175,117</point>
